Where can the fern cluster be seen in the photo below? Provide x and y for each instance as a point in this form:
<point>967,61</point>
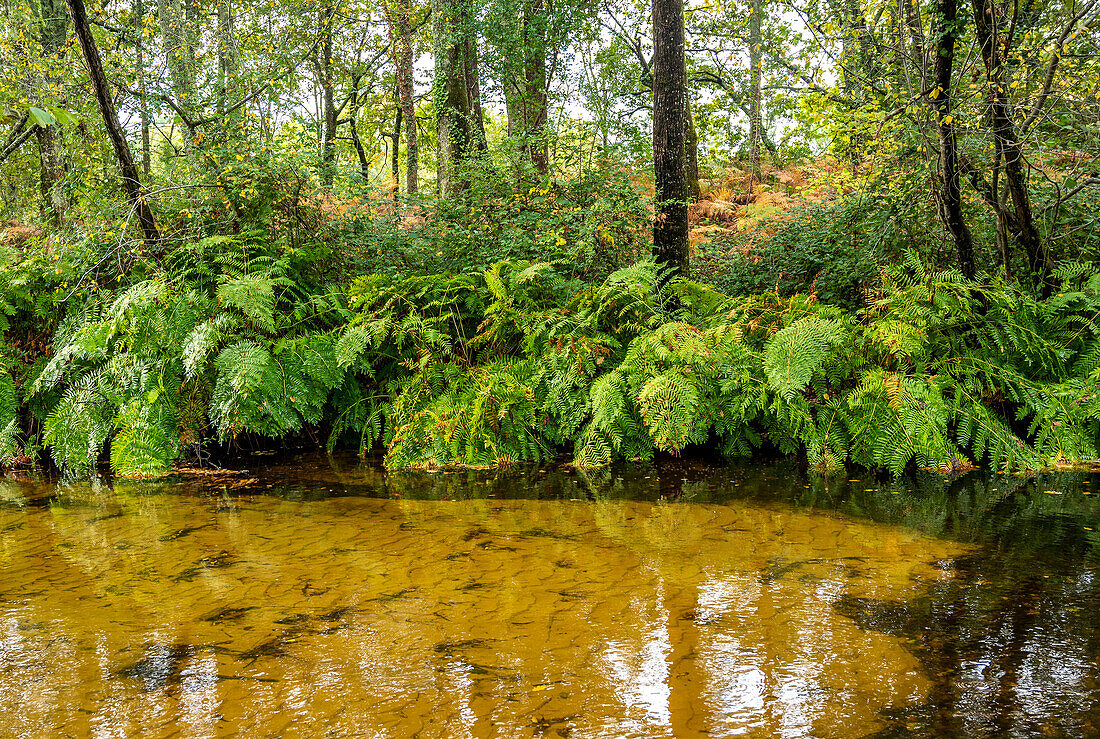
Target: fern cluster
<point>519,363</point>
<point>937,372</point>
<point>218,342</point>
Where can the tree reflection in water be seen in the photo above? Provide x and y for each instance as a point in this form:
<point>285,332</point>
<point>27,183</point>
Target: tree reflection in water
<point>312,596</point>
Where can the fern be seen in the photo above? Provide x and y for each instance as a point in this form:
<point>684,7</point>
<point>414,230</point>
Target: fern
<point>253,295</point>
<point>796,352</point>
<point>517,363</point>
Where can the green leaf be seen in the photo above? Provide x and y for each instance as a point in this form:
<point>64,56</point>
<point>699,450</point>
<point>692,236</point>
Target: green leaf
<point>41,117</point>
<point>62,116</point>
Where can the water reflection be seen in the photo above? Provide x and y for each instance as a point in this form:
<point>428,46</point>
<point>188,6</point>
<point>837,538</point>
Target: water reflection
<point>334,600</point>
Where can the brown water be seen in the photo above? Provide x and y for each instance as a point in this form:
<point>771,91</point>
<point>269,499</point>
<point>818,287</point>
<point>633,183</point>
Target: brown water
<point>312,608</point>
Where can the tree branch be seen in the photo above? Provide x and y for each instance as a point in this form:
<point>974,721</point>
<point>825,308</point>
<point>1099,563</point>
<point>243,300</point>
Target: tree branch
<point>1052,67</point>
<point>19,133</point>
<point>1087,183</point>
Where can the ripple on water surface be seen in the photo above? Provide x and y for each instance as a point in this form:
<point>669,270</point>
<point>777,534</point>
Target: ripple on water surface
<point>126,613</point>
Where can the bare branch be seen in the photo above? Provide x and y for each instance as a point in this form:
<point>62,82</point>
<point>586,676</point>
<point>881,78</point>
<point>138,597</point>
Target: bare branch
<point>1090,182</point>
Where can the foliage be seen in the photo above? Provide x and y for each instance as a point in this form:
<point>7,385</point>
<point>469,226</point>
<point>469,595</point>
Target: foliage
<point>833,249</point>
<point>519,362</point>
<point>591,224</point>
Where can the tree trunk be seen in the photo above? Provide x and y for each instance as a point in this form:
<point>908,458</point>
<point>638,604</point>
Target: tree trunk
<point>403,64</point>
<point>670,227</point>
<point>756,122</point>
<point>451,99</point>
<point>364,163</point>
<point>691,152</point>
<point>1007,143</point>
<point>356,142</point>
<point>18,134</point>
<point>910,16</point>
<point>328,102</point>
<point>53,30</point>
<point>143,105</point>
<point>525,90</point>
<point>131,181</point>
<point>536,112</point>
<point>175,37</point>
<point>396,159</point>
<point>472,75</point>
<point>857,60</point>
<point>227,59</point>
<point>51,174</point>
<point>950,198</point>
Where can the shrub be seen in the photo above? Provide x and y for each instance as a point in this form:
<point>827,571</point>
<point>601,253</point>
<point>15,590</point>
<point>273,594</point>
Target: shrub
<point>833,249</point>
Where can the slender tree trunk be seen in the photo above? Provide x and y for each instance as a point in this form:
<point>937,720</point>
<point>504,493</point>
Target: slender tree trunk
<point>1007,142</point>
<point>176,38</point>
<point>328,103</point>
<point>950,197</point>
<point>404,64</point>
<point>451,99</point>
<point>910,15</point>
<point>756,121</point>
<point>400,32</point>
<point>353,127</point>
<point>866,63</point>
<point>143,105</point>
<point>396,159</point>
<point>227,58</point>
<point>364,163</point>
<point>18,134</point>
<point>670,227</point>
<point>131,181</point>
<point>53,30</point>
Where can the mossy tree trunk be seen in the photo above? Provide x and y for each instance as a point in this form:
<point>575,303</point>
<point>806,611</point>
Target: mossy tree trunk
<point>53,32</point>
<point>403,64</point>
<point>451,98</point>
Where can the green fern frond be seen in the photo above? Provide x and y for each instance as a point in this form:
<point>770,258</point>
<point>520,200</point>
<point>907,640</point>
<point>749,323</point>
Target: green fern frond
<point>796,352</point>
<point>253,295</point>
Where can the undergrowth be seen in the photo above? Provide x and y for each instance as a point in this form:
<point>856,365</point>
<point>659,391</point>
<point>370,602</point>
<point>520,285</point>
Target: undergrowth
<point>520,362</point>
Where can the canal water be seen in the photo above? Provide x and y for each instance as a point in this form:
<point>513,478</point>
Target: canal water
<point>319,596</point>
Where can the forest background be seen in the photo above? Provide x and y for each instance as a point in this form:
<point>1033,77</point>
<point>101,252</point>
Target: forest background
<point>480,232</point>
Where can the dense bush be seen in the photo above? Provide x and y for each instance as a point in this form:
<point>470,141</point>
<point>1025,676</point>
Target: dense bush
<point>521,362</point>
<point>833,249</point>
<point>589,225</point>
